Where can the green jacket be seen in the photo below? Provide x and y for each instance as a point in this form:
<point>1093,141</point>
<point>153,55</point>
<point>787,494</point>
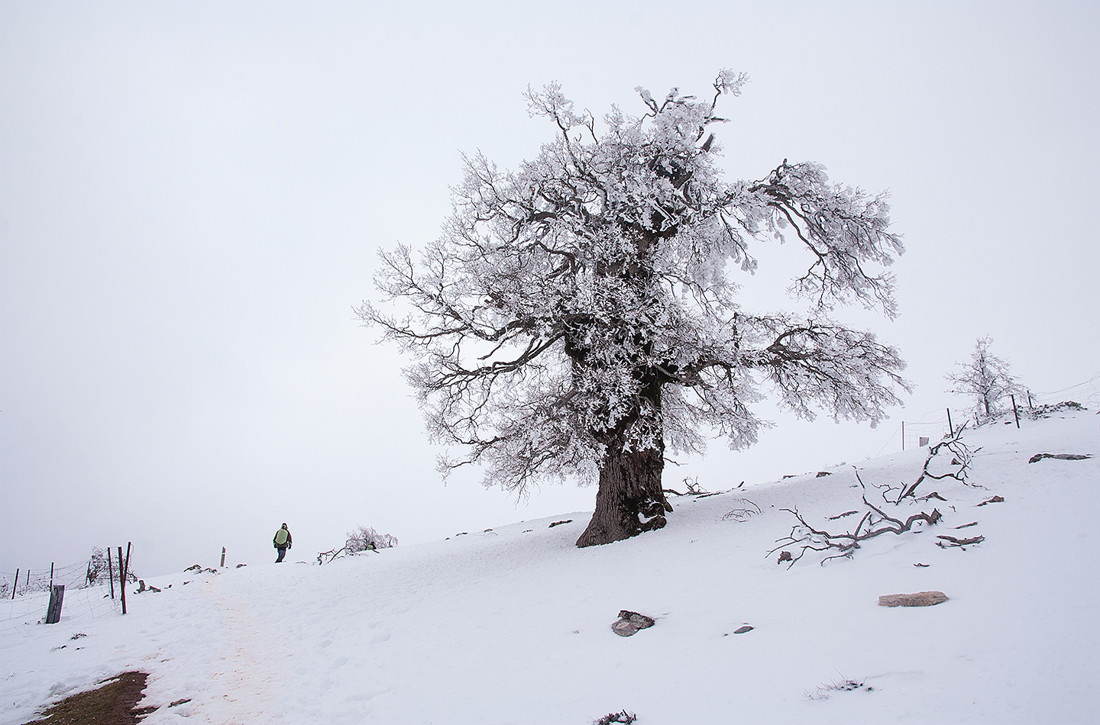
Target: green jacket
<point>282,538</point>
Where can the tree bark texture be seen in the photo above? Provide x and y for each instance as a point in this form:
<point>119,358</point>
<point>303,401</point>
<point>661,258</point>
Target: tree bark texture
<point>630,499</point>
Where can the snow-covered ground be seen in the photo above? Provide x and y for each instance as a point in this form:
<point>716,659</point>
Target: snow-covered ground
<point>513,625</point>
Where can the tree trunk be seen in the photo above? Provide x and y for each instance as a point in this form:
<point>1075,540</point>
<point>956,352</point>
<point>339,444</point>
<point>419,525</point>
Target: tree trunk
<point>630,499</point>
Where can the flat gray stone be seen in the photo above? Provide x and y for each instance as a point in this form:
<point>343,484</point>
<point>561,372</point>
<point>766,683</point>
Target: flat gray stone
<point>917,599</point>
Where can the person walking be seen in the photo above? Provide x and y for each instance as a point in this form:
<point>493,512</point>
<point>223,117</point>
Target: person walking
<point>282,541</point>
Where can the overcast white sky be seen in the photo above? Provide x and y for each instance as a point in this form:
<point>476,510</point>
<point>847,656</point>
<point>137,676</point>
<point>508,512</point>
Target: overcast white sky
<point>192,195</point>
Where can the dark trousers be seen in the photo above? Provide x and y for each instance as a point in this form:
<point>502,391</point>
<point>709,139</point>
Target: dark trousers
<point>282,553</point>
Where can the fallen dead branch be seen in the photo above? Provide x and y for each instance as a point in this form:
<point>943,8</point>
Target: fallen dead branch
<point>874,522</point>
<point>957,469</point>
<point>693,487</point>
<point>948,542</point>
<point>1060,457</point>
<point>745,509</point>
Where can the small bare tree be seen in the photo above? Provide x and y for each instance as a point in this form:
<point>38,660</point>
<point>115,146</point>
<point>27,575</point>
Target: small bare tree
<point>985,378</point>
<point>97,566</point>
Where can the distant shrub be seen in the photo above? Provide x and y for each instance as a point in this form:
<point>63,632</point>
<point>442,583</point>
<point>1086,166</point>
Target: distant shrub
<point>361,539</point>
<point>101,567</point>
<point>367,539</point>
<point>824,691</point>
<point>97,566</point>
<point>616,717</point>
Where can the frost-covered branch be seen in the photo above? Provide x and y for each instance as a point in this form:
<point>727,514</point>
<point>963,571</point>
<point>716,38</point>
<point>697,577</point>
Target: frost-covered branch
<point>844,229</point>
<point>814,364</point>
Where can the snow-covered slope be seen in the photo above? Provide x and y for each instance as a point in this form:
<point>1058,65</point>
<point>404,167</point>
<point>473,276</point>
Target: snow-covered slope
<point>513,625</point>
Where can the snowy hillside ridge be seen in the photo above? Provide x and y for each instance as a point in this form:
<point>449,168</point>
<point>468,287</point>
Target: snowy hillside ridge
<point>513,625</point>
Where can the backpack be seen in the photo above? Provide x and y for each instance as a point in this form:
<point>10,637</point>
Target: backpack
<point>281,537</point>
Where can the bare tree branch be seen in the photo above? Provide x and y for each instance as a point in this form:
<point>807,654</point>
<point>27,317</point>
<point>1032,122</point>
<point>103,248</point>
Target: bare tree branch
<point>874,523</point>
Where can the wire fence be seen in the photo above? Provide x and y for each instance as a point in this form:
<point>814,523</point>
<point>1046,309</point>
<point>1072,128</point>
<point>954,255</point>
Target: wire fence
<point>90,590</point>
<point>1086,393</point>
<point>925,433</point>
<point>81,605</point>
<point>72,576</point>
<point>931,429</point>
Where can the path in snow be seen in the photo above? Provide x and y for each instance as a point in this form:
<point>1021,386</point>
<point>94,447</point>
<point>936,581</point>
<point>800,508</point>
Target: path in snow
<point>248,668</point>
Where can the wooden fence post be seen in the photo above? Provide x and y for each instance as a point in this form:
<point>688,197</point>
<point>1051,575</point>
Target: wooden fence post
<point>15,584</point>
<point>223,556</point>
<point>903,435</point>
<point>57,595</point>
<point>51,576</point>
<point>1015,411</point>
<point>950,428</point>
<point>110,572</point>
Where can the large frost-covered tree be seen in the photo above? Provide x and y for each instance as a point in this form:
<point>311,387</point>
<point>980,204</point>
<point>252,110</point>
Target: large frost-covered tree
<point>577,317</point>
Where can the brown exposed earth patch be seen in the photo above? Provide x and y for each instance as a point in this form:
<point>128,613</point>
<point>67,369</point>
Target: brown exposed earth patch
<point>114,702</point>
